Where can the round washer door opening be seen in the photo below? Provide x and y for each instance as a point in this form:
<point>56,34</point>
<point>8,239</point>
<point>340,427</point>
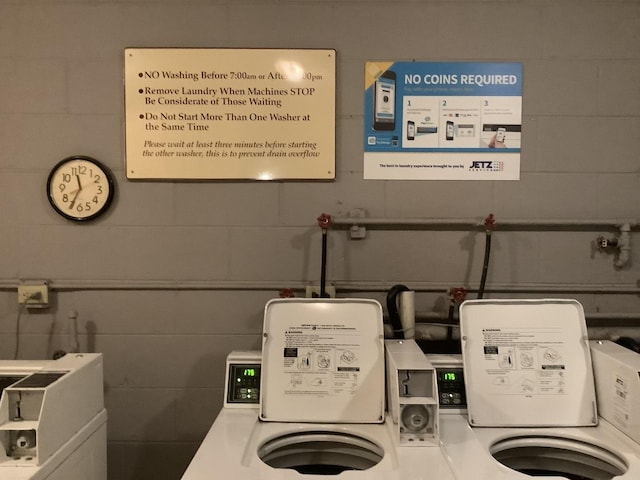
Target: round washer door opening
<point>320,452</point>
<point>543,456</point>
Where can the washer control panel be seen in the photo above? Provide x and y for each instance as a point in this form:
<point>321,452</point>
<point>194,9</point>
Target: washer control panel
<point>452,397</point>
<point>451,387</point>
<point>242,382</point>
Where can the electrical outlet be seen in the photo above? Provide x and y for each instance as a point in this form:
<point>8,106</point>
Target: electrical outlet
<point>313,291</point>
<point>34,294</point>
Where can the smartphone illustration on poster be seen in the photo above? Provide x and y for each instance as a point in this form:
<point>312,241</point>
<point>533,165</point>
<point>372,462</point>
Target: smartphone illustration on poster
<point>449,130</point>
<point>384,102</point>
<point>501,134</point>
<point>411,130</point>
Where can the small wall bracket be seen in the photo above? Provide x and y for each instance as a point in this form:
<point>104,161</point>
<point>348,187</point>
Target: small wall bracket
<point>33,293</point>
<point>357,232</point>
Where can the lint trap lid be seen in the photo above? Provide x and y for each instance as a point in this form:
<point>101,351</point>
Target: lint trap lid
<point>527,363</point>
<point>322,361</point>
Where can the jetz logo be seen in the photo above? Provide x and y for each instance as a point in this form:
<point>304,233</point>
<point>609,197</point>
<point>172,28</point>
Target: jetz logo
<point>486,166</point>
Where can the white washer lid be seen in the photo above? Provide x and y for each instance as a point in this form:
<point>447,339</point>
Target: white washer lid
<point>322,361</point>
<point>527,363</point>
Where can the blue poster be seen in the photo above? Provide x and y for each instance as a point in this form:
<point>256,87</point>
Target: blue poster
<point>442,120</point>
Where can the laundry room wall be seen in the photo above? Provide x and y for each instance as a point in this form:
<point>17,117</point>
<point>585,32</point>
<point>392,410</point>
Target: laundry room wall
<point>176,275</point>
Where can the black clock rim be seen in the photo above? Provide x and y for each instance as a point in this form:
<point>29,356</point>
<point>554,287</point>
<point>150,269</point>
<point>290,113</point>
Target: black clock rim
<point>108,176</point>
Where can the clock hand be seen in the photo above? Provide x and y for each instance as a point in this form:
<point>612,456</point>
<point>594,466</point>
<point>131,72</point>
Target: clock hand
<point>73,202</point>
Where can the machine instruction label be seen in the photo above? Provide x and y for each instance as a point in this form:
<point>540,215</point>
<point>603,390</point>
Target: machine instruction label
<point>525,361</point>
<point>321,359</point>
<point>621,407</point>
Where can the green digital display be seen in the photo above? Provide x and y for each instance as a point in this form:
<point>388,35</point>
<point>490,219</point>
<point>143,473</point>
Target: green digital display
<point>244,383</point>
<point>450,376</point>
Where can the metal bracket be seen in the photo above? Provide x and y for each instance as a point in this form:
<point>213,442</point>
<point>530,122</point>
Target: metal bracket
<point>357,232</point>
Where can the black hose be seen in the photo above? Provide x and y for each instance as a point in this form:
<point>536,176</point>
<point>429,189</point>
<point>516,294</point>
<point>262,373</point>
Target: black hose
<point>629,343</point>
<point>323,267</point>
<point>392,308</point>
<point>452,309</point>
<point>485,264</point>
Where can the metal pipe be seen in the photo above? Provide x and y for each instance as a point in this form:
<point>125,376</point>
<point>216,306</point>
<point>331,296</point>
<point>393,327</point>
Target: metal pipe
<point>399,223</point>
<point>344,287</point>
<point>425,287</point>
<point>624,247</point>
<point>74,344</point>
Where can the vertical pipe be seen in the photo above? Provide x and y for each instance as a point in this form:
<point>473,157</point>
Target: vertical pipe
<point>74,344</point>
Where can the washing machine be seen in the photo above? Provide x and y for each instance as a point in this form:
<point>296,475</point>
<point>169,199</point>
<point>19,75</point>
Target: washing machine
<point>527,381</point>
<point>311,403</point>
<point>52,419</point>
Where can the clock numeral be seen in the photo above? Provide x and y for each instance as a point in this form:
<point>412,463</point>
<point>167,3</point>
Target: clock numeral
<point>61,187</point>
<point>96,179</point>
<point>81,208</point>
<point>79,170</point>
<point>66,177</point>
<point>65,198</point>
<point>99,189</point>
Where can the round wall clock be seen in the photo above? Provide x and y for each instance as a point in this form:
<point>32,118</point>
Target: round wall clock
<point>80,188</point>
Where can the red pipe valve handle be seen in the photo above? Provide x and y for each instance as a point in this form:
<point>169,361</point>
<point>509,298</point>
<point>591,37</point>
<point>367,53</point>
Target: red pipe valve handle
<point>458,295</point>
<point>325,221</point>
<point>287,293</point>
<point>490,222</point>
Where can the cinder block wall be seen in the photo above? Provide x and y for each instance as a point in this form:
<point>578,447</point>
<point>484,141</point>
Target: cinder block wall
<point>177,274</point>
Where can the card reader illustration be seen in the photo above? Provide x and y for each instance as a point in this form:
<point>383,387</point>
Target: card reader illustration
<point>466,130</point>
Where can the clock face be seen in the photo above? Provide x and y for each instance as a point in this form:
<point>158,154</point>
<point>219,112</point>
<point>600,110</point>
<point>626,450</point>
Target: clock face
<point>80,188</point>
